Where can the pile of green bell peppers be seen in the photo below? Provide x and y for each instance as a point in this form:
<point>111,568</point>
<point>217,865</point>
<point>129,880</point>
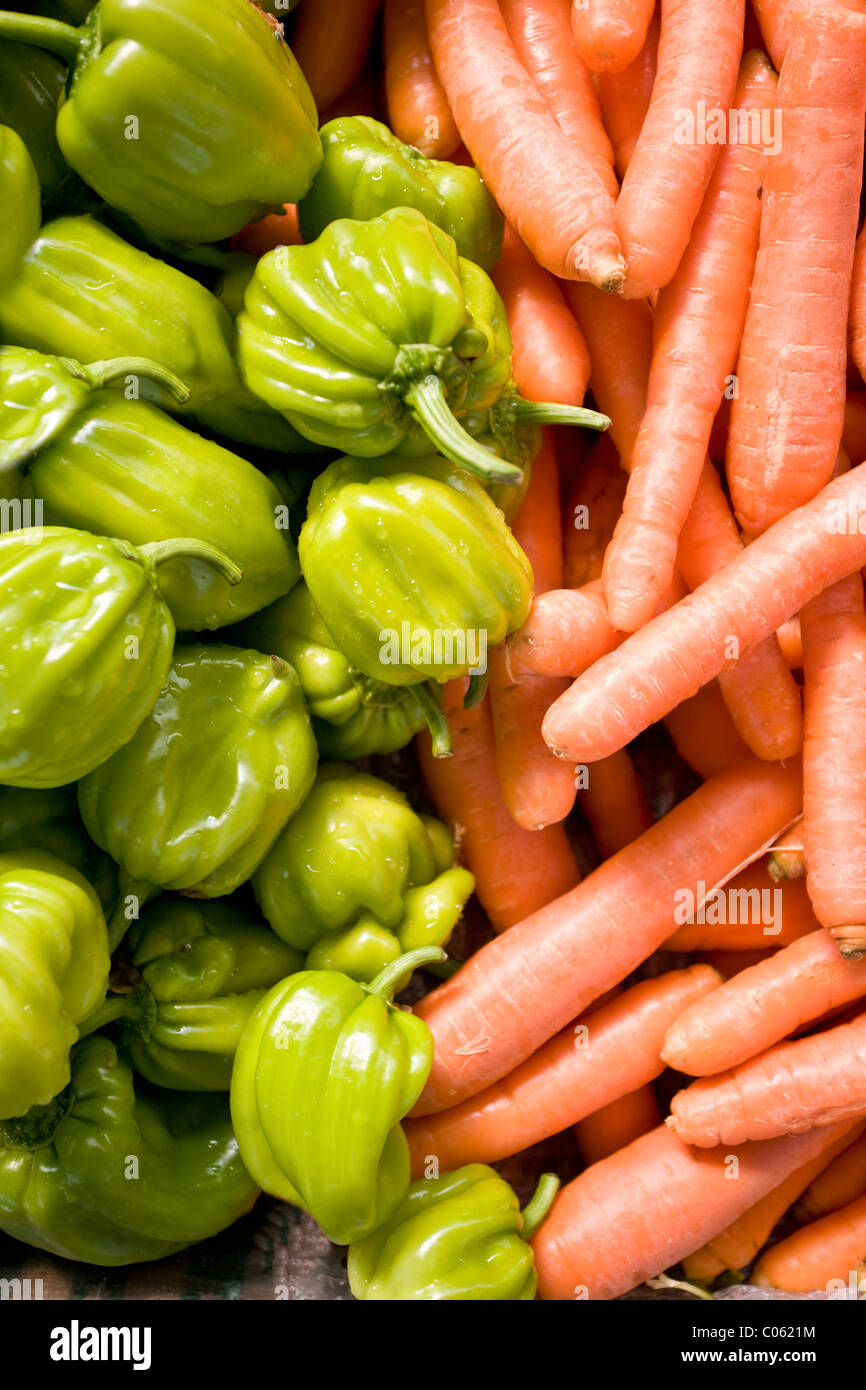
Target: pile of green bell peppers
<point>253,518</point>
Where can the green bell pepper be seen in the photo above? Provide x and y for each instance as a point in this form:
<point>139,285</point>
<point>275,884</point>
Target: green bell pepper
<point>88,645</point>
<point>190,118</point>
<point>31,83</point>
<point>357,878</point>
<point>378,337</point>
<point>197,972</point>
<point>412,568</point>
<point>459,1237</point>
<point>53,972</point>
<point>194,801</point>
<point>366,170</point>
<point>82,292</point>
<point>325,1070</point>
<point>123,468</point>
<point>111,1177</point>
<point>353,716</point>
<point>48,820</point>
<point>22,213</point>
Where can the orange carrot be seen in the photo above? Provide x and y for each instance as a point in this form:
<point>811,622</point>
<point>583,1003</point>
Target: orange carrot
<point>731,963</point>
<point>838,1185</point>
<point>330,41</point>
<point>626,1219</point>
<point>619,335</point>
<point>418,110</point>
<point>516,871</point>
<point>614,802</point>
<point>547,188</point>
<point>611,1053</point>
<point>364,98</point>
<point>759,691</point>
<point>550,360</point>
<point>787,418</point>
<point>735,609</point>
<point>541,34</point>
<point>609,34</point>
<point>566,631</point>
<point>748,932</point>
<point>593,505</point>
<point>698,324</point>
<point>624,98</point>
<point>854,433</point>
<point>538,789</point>
<point>736,1246</point>
<point>828,1254</point>
<point>809,1082</point>
<point>704,733</point>
<point>788,859</point>
<point>700,46</point>
<point>776,19</point>
<point>519,990</point>
<point>617,1124</point>
<point>277,229</point>
<point>834,761</point>
<point>763,1005</point>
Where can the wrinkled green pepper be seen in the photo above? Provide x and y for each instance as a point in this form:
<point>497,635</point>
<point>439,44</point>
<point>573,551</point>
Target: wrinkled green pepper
<point>48,820</point>
<point>197,972</point>
<point>123,468</point>
<point>78,290</point>
<point>459,1237</point>
<point>192,119</point>
<point>378,337</point>
<point>366,170</point>
<point>194,801</point>
<point>325,1070</point>
<point>111,1177</point>
<point>30,86</point>
<point>22,212</point>
<point>357,878</point>
<point>53,972</point>
<point>88,640</point>
<point>412,568</point>
<point>353,715</point>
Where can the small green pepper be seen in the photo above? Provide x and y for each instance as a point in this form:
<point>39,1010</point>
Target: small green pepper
<point>353,715</point>
<point>189,118</point>
<point>22,212</point>
<point>30,86</point>
<point>324,1072</point>
<point>198,971</point>
<point>123,468</point>
<point>111,1177</point>
<point>412,568</point>
<point>357,878</point>
<point>366,170</point>
<point>88,645</point>
<point>53,972</point>
<point>48,820</point>
<point>460,1237</point>
<point>195,799</point>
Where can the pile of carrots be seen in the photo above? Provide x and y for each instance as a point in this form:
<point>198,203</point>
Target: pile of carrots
<point>698,567</point>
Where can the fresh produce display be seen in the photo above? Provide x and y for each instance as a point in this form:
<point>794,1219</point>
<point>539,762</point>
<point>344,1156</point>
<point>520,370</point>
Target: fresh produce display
<point>432,630</point>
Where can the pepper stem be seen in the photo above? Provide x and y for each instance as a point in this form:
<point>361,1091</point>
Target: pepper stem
<point>539,1204</point>
<point>113,1007</point>
<point>101,373</point>
<point>188,548</point>
<point>386,980</point>
<point>435,718</point>
<point>59,38</point>
<point>427,402</point>
<point>476,689</point>
<point>524,412</point>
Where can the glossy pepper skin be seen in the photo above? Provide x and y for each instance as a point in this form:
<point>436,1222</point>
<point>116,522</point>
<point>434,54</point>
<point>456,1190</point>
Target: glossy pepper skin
<point>353,715</point>
<point>31,83</point>
<point>80,291</point>
<point>195,799</point>
<point>123,468</point>
<point>22,212</point>
<point>53,972</point>
<point>48,820</point>
<point>400,556</point>
<point>198,971</point>
<point>325,1071</point>
<point>366,170</point>
<point>66,1181</point>
<point>454,1238</point>
<point>357,878</point>
<point>87,645</point>
<point>224,124</point>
